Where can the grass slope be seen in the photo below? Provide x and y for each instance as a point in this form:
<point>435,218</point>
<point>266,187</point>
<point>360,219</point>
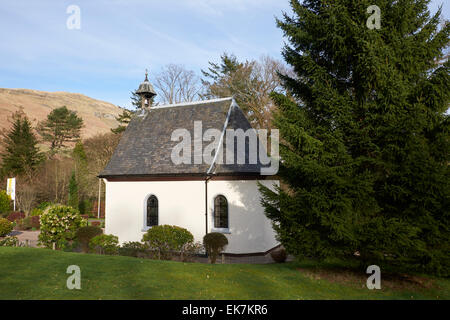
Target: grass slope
<point>30,273</point>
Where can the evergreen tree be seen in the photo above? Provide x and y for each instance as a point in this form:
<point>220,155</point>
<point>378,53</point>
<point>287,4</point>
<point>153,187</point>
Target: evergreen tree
<point>73,191</point>
<point>62,125</point>
<point>21,154</point>
<point>366,144</point>
<point>125,117</point>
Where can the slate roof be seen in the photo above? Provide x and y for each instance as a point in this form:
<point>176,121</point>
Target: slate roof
<point>145,147</point>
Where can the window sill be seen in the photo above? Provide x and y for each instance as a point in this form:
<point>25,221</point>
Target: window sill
<point>221,230</point>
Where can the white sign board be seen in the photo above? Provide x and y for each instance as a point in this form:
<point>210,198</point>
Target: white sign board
<point>11,188</point>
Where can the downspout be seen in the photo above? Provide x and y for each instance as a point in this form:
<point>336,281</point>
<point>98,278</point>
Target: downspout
<point>209,172</point>
<point>208,177</point>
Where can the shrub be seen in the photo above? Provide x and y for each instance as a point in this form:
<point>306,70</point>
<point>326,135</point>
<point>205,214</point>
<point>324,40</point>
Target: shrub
<point>191,250</point>
<point>85,234</point>
<point>5,201</point>
<point>96,223</point>
<point>9,242</point>
<point>105,244</point>
<point>6,227</point>
<point>16,215</point>
<point>36,212</point>
<point>59,224</point>
<point>23,224</point>
<point>35,222</point>
<point>214,243</point>
<point>279,255</point>
<point>167,239</point>
<point>132,249</point>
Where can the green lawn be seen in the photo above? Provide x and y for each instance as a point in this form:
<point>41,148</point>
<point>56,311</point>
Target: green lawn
<point>30,273</point>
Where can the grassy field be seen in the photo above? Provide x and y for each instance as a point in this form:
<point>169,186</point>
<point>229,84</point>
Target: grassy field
<point>30,273</point>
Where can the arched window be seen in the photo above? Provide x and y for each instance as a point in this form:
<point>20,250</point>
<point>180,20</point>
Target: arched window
<point>152,211</point>
<point>220,212</point>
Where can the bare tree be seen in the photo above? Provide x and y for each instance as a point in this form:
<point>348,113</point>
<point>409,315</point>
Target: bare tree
<point>26,197</point>
<point>176,84</point>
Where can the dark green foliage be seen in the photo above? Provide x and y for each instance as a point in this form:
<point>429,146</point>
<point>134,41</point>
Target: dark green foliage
<point>5,201</point>
<point>85,234</point>
<point>21,154</point>
<point>279,255</point>
<point>132,249</point>
<point>167,240</point>
<point>6,227</point>
<point>73,192</point>
<point>61,126</point>
<point>366,142</point>
<point>124,118</point>
<point>214,243</point>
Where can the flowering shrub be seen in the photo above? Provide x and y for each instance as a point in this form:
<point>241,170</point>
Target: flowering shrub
<point>105,244</point>
<point>9,242</point>
<point>59,224</point>
<point>167,239</point>
<point>6,227</point>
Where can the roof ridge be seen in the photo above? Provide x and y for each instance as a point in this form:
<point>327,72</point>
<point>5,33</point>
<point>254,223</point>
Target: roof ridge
<point>190,103</point>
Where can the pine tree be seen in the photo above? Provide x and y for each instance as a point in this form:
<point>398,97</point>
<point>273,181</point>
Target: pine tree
<point>125,117</point>
<point>61,126</point>
<point>366,143</point>
<point>21,155</point>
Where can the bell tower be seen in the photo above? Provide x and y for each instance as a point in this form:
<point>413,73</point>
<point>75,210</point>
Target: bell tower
<point>146,93</point>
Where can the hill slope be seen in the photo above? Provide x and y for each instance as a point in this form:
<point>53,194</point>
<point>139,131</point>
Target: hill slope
<point>98,116</point>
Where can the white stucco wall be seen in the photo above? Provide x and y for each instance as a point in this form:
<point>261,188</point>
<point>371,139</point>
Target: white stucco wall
<point>182,203</point>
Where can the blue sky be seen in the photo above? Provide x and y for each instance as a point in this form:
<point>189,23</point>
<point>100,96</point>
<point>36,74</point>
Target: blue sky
<point>118,39</point>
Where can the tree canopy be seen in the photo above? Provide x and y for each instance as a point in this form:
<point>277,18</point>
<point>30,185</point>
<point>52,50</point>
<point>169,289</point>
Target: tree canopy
<point>366,146</point>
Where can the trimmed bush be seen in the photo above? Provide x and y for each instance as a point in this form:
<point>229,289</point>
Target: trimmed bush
<point>214,243</point>
<point>279,255</point>
<point>6,227</point>
<point>5,201</point>
<point>58,225</point>
<point>132,249</point>
<point>105,244</point>
<point>166,240</point>
<point>9,242</point>
<point>85,234</point>
<point>16,215</point>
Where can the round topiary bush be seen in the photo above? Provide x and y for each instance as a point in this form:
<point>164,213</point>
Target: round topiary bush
<point>6,227</point>
<point>85,234</point>
<point>214,243</point>
<point>166,240</point>
<point>279,255</point>
<point>59,224</point>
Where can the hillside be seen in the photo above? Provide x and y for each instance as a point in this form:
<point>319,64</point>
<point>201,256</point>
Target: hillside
<point>98,116</point>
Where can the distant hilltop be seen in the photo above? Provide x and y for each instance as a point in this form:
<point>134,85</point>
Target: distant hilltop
<point>98,116</point>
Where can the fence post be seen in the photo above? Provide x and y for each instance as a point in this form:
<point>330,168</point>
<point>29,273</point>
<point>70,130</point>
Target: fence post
<point>54,245</point>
